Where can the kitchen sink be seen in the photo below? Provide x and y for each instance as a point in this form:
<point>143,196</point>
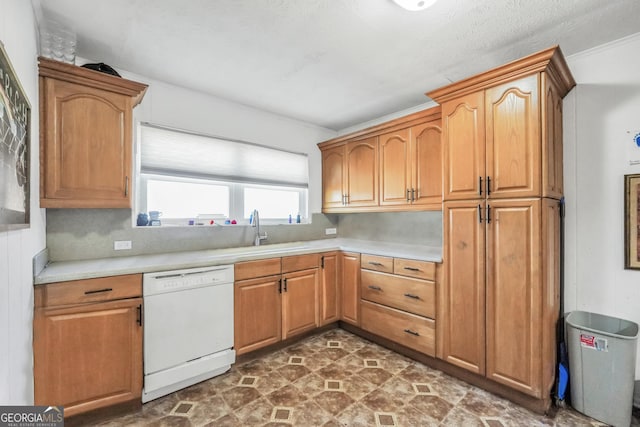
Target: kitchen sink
<point>266,249</point>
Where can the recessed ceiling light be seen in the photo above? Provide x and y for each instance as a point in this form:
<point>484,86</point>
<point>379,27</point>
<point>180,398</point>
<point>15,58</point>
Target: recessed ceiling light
<point>414,5</point>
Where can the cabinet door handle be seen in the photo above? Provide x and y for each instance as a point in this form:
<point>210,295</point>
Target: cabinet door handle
<point>488,185</point>
<point>285,285</point>
<point>413,194</point>
<point>414,333</point>
<point>488,214</point>
<point>480,185</point>
<point>126,186</point>
<point>411,268</point>
<point>408,199</point>
<point>479,214</point>
<point>375,288</point>
<point>98,291</point>
<point>322,262</point>
<point>412,296</point>
<point>377,264</point>
<point>139,315</point>
<point>280,286</point>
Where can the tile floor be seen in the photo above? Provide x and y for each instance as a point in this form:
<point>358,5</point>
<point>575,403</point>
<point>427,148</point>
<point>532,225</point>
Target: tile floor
<point>337,379</point>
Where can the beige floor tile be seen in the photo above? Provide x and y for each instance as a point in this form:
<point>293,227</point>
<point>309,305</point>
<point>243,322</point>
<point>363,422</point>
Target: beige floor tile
<point>337,379</point>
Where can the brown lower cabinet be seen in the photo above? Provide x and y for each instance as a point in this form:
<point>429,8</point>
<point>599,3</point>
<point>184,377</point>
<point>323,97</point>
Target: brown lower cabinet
<point>350,286</point>
<point>274,299</point>
<point>257,313</point>
<point>416,332</point>
<point>87,343</point>
<point>499,313</point>
<point>399,301</point>
<point>329,298</point>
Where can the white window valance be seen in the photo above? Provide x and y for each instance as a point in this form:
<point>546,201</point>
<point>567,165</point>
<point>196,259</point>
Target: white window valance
<point>165,151</point>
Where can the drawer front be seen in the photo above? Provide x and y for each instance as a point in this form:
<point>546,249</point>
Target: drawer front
<point>407,329</point>
<point>377,263</point>
<point>299,262</point>
<point>88,290</point>
<point>404,293</point>
<point>259,268</point>
<point>412,268</point>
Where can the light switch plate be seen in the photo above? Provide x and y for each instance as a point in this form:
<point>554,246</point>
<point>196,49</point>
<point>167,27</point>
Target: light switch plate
<point>120,245</point>
<point>329,231</point>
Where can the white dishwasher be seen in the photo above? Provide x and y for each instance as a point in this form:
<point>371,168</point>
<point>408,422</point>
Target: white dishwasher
<point>188,327</point>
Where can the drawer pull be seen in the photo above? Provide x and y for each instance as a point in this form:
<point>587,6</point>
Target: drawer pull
<point>97,291</point>
<point>377,264</point>
<point>412,269</point>
<point>410,332</point>
<point>375,288</point>
<point>412,296</point>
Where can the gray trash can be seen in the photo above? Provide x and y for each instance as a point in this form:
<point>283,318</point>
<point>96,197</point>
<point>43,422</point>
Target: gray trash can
<point>602,363</point>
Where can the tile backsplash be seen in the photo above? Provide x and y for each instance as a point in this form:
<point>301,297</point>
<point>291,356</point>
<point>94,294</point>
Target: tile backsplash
<point>76,234</point>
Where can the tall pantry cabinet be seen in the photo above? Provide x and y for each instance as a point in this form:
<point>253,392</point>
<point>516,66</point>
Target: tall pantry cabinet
<point>502,181</point>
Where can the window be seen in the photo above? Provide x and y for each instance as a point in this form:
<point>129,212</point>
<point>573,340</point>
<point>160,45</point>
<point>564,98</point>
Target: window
<point>272,202</point>
<point>182,198</point>
<point>194,177</point>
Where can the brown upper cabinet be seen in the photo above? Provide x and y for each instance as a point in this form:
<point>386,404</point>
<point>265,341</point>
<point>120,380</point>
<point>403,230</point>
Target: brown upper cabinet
<point>502,130</point>
<point>396,165</point>
<point>350,175</point>
<point>411,166</point>
<point>85,137</point>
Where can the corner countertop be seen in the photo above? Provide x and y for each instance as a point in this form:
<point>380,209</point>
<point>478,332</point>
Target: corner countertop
<point>86,269</point>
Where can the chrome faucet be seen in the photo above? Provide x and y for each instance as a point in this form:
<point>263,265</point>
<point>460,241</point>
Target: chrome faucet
<point>255,222</point>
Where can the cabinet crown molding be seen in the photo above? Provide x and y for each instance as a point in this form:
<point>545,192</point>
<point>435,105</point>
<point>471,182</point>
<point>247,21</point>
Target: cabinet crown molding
<point>549,60</point>
<point>90,78</point>
<point>433,113</point>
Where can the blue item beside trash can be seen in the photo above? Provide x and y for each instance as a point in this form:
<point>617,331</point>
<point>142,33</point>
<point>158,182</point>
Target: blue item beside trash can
<point>602,362</point>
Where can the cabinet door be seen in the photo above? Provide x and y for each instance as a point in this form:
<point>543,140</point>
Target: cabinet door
<point>426,153</point>
<point>461,307</point>
<point>88,356</point>
<point>464,147</point>
<point>87,151</point>
<point>550,292</point>
<point>395,168</point>
<point>257,313</point>
<point>299,302</point>
<point>350,284</point>
<point>513,139</point>
<point>514,339</point>
<point>362,172</point>
<point>552,170</point>
<point>329,297</point>
<point>333,176</point>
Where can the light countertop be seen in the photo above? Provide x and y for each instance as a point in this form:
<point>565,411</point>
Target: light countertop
<point>85,269</point>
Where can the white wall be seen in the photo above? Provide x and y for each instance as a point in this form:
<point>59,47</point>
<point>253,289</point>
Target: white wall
<point>601,116</point>
<point>174,106</point>
<point>17,248</point>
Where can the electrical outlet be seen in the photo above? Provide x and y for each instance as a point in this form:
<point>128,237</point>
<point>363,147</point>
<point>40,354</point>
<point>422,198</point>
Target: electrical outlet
<point>120,245</point>
<point>329,231</point>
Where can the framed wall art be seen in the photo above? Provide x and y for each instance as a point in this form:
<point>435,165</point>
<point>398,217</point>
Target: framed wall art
<point>15,128</point>
<point>632,221</point>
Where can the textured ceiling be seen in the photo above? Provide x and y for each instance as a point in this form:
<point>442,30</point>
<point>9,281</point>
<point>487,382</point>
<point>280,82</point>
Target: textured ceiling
<point>333,63</point>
